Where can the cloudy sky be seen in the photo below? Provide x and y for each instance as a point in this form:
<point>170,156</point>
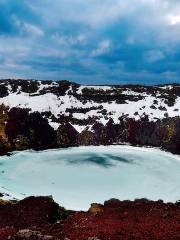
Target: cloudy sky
<point>91,41</point>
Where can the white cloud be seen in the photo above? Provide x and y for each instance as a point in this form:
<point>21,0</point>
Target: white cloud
<point>104,47</point>
<point>69,40</point>
<point>174,19</point>
<point>27,27</point>
<point>32,29</point>
<point>154,56</point>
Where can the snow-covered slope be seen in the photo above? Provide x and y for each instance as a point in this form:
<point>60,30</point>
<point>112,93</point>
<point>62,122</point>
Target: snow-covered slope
<point>78,103</point>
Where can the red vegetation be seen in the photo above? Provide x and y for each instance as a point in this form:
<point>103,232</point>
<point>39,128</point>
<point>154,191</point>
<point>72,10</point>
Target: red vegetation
<point>41,218</point>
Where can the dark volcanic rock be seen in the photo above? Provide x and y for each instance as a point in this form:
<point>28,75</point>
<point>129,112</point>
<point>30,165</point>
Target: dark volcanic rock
<point>100,132</point>
<point>17,125</point>
<point>32,211</point>
<point>42,135</point>
<point>4,141</point>
<point>20,130</point>
<point>66,135</point>
<point>29,130</point>
<point>86,138</point>
<point>3,91</point>
<point>172,139</point>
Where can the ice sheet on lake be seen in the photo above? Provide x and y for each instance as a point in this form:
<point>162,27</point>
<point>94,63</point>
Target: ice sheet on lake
<point>79,176</point>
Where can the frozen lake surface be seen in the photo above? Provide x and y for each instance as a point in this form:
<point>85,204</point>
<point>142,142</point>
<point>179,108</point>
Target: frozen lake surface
<point>79,176</point>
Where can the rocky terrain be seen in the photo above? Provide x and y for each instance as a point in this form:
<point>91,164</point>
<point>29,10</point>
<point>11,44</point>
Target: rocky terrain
<point>51,114</point>
<point>41,218</point>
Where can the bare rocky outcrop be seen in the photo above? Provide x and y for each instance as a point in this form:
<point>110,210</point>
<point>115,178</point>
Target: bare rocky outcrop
<point>86,138</point>
<point>29,212</point>
<point>21,130</point>
<point>66,135</point>
<point>29,130</point>
<point>4,141</point>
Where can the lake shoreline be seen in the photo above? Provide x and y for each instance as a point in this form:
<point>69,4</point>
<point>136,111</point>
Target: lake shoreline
<point>83,146</point>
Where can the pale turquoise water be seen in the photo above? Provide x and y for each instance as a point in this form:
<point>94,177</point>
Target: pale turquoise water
<point>79,176</point>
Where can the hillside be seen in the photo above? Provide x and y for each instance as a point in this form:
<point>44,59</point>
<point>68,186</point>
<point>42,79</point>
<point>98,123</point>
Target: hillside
<point>74,114</point>
<point>56,98</point>
<point>42,219</point>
